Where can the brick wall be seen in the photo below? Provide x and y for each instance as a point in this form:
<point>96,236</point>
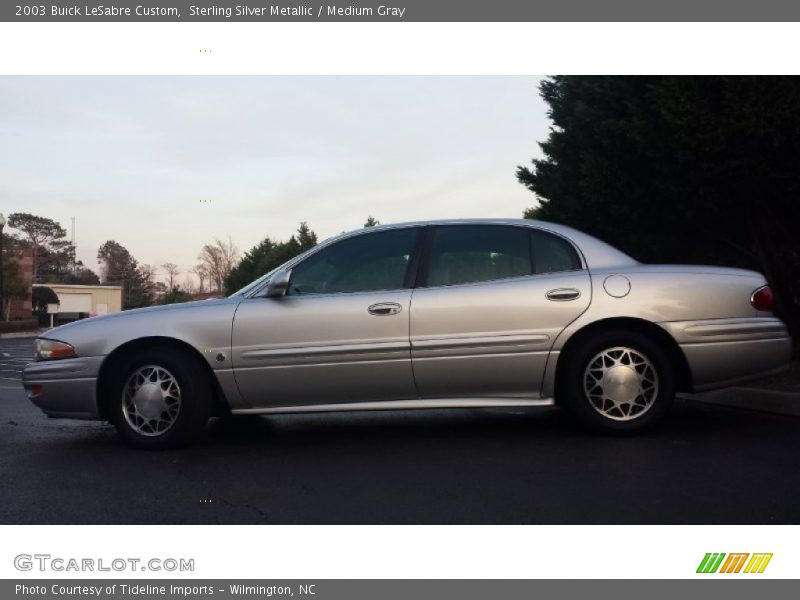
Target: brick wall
<point>21,308</point>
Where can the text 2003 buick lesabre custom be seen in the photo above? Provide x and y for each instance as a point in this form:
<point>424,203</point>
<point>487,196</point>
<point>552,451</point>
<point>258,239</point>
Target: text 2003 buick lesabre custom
<point>421,315</point>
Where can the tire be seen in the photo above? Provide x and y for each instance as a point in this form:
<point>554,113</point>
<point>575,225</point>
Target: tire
<point>617,382</point>
<point>160,399</point>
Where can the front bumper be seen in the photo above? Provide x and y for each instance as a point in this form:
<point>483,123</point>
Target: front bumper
<point>64,388</point>
<point>723,352</point>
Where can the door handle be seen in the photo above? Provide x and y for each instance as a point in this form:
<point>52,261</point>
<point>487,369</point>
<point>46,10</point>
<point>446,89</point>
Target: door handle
<point>383,309</point>
<point>563,294</point>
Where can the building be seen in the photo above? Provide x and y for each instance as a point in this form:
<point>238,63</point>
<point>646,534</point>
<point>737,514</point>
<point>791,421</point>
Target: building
<point>79,301</point>
<point>20,308</point>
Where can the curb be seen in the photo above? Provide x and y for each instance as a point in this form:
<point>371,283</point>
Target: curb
<point>771,401</point>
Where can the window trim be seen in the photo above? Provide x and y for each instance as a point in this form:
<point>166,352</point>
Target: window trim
<point>422,276</point>
<point>419,262</point>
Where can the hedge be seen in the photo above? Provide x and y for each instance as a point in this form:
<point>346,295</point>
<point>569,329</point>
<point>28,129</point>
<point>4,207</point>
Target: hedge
<point>21,325</point>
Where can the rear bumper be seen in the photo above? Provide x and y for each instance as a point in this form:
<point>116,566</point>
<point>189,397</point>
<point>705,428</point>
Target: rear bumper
<point>64,388</point>
<point>723,352</point>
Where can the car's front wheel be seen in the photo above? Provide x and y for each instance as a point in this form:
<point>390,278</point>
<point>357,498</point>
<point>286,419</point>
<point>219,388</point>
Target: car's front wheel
<point>617,382</point>
<point>161,400</point>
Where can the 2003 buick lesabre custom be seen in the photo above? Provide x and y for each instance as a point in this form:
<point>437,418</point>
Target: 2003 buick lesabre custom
<point>421,315</point>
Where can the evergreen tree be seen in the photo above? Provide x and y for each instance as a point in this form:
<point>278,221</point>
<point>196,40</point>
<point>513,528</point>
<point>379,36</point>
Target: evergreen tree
<point>119,267</point>
<point>268,255</point>
<point>679,169</point>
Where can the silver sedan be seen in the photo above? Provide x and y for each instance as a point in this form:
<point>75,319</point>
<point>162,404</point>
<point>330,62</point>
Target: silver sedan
<point>453,314</point>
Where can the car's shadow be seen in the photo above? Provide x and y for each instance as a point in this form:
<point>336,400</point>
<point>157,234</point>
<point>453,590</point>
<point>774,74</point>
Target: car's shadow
<point>387,426</point>
<point>688,421</point>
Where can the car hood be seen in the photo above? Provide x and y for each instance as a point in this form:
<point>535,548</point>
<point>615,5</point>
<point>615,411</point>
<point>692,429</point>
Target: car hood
<point>108,318</point>
<point>97,335</point>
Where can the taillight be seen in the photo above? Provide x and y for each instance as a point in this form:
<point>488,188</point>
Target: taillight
<point>763,299</point>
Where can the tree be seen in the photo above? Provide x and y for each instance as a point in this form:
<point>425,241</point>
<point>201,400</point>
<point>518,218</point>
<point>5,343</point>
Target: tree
<point>44,235</point>
<point>268,255</point>
<point>174,296</point>
<point>202,275</point>
<point>150,287</point>
<point>188,285</point>
<point>679,169</point>
<point>159,290</point>
<point>13,284</point>
<point>40,298</point>
<point>305,237</point>
<point>219,259</point>
<point>81,276</point>
<point>54,261</point>
<point>172,273</point>
<point>371,222</point>
<point>54,257</point>
<point>119,267</point>
<point>255,263</point>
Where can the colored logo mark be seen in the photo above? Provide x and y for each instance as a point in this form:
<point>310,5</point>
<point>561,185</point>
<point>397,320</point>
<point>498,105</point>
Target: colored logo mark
<point>719,562</point>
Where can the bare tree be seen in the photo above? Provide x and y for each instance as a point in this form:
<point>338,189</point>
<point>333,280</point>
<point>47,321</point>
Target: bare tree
<point>147,274</point>
<point>148,271</point>
<point>159,289</point>
<point>202,275</point>
<point>172,273</point>
<point>219,259</point>
<point>189,285</point>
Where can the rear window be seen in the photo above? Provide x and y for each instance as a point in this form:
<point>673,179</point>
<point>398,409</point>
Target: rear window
<point>473,253</point>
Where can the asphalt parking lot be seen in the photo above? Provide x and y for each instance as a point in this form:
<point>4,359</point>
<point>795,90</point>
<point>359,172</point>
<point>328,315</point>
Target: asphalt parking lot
<point>707,464</point>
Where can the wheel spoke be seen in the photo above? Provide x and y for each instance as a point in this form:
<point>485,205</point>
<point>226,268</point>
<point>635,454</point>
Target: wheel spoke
<point>621,383</point>
<point>141,393</point>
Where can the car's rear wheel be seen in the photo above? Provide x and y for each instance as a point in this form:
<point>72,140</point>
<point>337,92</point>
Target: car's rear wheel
<point>617,382</point>
<point>160,400</point>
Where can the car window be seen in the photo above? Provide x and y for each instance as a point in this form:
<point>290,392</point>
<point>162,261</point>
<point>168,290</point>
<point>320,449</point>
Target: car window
<point>552,254</point>
<point>367,262</point>
<point>468,254</point>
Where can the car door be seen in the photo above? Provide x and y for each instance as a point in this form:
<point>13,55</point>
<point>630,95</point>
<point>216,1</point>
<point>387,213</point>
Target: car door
<point>340,334</point>
<point>490,301</point>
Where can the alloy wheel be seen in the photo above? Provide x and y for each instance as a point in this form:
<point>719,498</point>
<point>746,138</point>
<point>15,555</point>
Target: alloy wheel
<point>621,383</point>
<point>151,400</point>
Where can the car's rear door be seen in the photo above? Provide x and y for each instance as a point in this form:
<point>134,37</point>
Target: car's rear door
<point>340,334</point>
<point>488,305</point>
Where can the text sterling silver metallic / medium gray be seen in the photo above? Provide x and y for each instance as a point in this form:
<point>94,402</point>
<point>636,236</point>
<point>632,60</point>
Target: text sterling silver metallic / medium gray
<point>462,313</point>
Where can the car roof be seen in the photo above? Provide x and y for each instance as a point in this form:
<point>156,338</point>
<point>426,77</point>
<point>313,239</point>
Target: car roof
<point>596,253</point>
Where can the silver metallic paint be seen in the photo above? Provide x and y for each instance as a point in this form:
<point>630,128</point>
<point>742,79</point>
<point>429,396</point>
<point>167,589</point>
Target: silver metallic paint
<point>419,404</point>
<point>329,342</point>
<point>490,338</point>
<point>491,343</point>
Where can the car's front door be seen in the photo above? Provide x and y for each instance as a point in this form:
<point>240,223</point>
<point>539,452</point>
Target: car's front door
<point>491,301</point>
<point>340,334</point>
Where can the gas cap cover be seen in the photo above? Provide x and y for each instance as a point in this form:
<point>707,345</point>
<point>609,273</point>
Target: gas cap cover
<point>617,286</point>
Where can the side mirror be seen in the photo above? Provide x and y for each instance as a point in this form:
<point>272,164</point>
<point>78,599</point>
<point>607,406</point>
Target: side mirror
<point>278,284</point>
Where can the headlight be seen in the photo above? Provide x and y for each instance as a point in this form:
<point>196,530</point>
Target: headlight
<point>51,350</point>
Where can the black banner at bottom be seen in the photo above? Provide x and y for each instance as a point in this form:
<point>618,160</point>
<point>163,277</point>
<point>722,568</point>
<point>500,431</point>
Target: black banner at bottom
<point>733,588</point>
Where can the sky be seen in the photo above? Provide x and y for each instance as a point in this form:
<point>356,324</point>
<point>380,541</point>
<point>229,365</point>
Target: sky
<point>164,165</point>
